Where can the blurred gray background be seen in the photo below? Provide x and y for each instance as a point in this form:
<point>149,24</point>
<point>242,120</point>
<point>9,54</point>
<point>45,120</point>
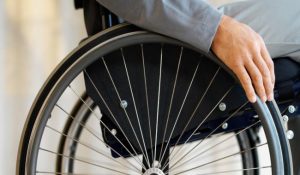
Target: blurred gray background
<point>34,36</point>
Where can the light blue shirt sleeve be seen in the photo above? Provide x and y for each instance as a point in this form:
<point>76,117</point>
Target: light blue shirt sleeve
<point>192,21</point>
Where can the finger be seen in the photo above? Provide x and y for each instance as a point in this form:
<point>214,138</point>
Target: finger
<point>266,76</point>
<point>268,60</point>
<point>257,80</point>
<point>245,80</point>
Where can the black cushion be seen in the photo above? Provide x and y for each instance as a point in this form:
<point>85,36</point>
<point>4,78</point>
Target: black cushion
<point>286,69</point>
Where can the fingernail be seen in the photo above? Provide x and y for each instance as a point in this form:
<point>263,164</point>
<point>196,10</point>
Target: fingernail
<point>271,97</point>
<point>252,99</point>
<point>264,98</point>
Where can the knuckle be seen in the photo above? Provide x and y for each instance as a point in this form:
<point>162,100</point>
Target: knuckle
<point>259,84</point>
<point>250,92</point>
<point>254,45</point>
<point>257,78</point>
<point>265,75</point>
<point>273,81</point>
<point>247,58</point>
<point>271,64</point>
<point>267,80</point>
<point>247,81</point>
<point>260,38</point>
<point>269,88</point>
<point>270,84</point>
<point>236,66</point>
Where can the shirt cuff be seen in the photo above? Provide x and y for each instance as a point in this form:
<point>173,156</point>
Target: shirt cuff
<point>207,29</point>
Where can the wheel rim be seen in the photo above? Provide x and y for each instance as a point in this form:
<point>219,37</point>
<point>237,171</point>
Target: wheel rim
<point>68,76</point>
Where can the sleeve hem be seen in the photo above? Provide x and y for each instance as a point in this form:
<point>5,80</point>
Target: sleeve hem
<point>209,30</point>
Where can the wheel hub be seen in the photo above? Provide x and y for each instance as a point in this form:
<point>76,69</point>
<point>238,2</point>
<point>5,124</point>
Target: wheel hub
<point>154,171</point>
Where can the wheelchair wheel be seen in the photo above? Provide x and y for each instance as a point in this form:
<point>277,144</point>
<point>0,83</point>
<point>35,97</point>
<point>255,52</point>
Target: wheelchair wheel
<point>81,112</point>
<point>158,106</point>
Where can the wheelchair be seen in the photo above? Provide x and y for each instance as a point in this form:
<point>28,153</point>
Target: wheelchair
<point>129,101</point>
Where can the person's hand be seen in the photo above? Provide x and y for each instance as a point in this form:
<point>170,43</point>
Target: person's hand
<point>245,53</point>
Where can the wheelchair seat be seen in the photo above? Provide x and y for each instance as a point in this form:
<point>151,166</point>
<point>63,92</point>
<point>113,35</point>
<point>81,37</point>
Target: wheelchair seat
<point>286,69</point>
<point>287,72</point>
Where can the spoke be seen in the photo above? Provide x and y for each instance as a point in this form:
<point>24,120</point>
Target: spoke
<point>84,102</point>
<point>124,109</point>
<point>90,147</point>
<point>181,107</point>
<point>236,170</point>
<point>134,104</point>
<point>231,155</point>
<point>99,118</point>
<point>196,108</point>
<point>61,173</point>
<point>147,100</point>
<point>98,138</point>
<point>219,126</point>
<point>81,160</point>
<point>158,99</point>
<point>99,94</point>
<point>171,100</point>
<point>204,151</point>
<point>284,111</point>
<point>206,117</point>
<point>219,172</point>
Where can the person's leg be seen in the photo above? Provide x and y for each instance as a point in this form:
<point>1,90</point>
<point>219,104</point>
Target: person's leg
<point>277,21</point>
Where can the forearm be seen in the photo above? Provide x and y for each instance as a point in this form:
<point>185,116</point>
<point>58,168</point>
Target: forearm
<point>193,21</point>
